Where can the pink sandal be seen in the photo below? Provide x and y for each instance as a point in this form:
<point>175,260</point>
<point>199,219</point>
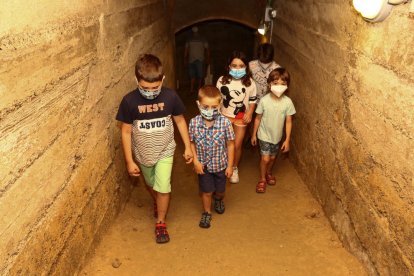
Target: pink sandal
<point>270,179</point>
<point>261,187</point>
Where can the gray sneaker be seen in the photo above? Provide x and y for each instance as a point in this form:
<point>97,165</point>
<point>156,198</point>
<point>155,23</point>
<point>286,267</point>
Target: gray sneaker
<point>219,205</point>
<point>205,220</point>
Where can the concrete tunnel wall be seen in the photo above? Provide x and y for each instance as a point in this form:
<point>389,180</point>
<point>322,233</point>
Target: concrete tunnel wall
<point>64,68</point>
<point>353,88</point>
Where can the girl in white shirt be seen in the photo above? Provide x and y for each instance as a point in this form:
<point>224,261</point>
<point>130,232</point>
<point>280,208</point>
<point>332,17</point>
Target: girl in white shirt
<point>239,100</point>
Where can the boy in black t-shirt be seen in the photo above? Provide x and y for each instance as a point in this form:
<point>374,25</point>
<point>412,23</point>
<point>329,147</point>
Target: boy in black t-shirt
<point>147,116</point>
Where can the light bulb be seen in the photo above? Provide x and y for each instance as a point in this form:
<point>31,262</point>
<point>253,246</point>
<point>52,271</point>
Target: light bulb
<point>372,10</point>
<point>261,29</point>
<point>359,5</point>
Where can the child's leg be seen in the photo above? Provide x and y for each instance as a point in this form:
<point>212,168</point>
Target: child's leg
<point>264,165</point>
<point>271,164</point>
<point>219,195</point>
<point>220,184</point>
<point>273,148</point>
<point>162,185</point>
<point>148,173</point>
<point>220,188</point>
<point>206,186</point>
<point>151,191</point>
<point>206,199</point>
<point>163,200</point>
<point>239,132</point>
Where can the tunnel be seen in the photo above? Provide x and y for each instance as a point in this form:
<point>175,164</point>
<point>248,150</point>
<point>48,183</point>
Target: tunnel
<point>65,193</point>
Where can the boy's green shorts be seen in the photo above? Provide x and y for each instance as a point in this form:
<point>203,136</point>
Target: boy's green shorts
<point>158,177</point>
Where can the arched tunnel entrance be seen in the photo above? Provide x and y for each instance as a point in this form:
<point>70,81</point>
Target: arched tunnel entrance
<point>223,37</point>
<point>343,203</point>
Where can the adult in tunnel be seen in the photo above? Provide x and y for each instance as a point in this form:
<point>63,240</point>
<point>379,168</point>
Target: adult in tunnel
<point>197,57</point>
<point>239,100</point>
<point>147,115</point>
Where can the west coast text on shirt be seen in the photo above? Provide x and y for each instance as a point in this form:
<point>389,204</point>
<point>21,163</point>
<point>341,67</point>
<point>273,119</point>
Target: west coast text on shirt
<point>152,124</point>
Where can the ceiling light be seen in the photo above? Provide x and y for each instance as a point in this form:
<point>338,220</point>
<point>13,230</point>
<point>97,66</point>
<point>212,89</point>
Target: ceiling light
<point>375,10</point>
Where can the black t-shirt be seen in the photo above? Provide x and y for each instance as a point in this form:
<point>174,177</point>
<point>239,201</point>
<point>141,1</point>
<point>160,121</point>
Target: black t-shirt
<point>152,124</point>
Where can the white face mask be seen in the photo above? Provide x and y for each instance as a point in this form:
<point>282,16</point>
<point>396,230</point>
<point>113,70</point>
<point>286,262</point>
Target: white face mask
<point>278,89</point>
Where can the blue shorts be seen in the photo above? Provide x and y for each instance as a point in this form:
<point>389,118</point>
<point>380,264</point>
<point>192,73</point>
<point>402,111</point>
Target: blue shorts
<point>196,69</point>
<point>267,148</point>
<point>212,182</point>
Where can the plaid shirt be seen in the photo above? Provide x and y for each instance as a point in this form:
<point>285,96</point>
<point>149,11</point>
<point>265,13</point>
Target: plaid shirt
<point>211,143</point>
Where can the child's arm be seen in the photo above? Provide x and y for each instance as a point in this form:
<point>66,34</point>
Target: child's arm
<point>182,128</point>
<point>132,167</point>
<point>255,128</point>
<point>248,115</point>
<point>230,155</point>
<point>198,167</point>
<point>247,118</point>
<point>285,146</point>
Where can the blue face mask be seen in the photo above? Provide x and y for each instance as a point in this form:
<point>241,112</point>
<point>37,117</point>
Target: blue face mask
<point>237,73</point>
<point>209,114</point>
<point>149,94</point>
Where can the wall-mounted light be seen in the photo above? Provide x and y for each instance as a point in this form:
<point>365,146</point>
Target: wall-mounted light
<point>375,10</point>
<point>262,28</point>
<point>267,23</point>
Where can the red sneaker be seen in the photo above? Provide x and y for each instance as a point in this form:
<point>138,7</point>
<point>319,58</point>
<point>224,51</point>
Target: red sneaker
<point>161,233</point>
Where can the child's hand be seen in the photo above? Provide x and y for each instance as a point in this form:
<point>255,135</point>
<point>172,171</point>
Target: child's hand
<point>188,156</point>
<point>253,140</point>
<point>198,167</point>
<point>247,118</point>
<point>285,146</point>
<point>133,169</point>
<point>228,172</point>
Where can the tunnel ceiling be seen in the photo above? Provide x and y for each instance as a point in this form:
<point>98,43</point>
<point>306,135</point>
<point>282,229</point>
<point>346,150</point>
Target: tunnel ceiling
<point>189,12</point>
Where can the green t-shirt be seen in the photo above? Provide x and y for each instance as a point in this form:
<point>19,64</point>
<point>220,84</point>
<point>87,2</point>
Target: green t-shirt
<point>274,112</point>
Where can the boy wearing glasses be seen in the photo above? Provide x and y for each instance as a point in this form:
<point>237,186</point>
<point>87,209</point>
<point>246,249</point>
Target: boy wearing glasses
<point>147,115</point>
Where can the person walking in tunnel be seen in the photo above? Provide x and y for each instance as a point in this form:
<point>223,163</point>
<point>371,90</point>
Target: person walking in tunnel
<point>260,69</point>
<point>273,111</point>
<point>239,100</point>
<point>147,114</point>
<point>212,143</point>
<point>196,56</point>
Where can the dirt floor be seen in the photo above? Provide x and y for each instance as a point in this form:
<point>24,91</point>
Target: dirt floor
<point>281,232</point>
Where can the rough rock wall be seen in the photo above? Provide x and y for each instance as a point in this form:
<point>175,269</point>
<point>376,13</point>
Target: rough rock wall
<point>353,87</point>
<point>65,66</point>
